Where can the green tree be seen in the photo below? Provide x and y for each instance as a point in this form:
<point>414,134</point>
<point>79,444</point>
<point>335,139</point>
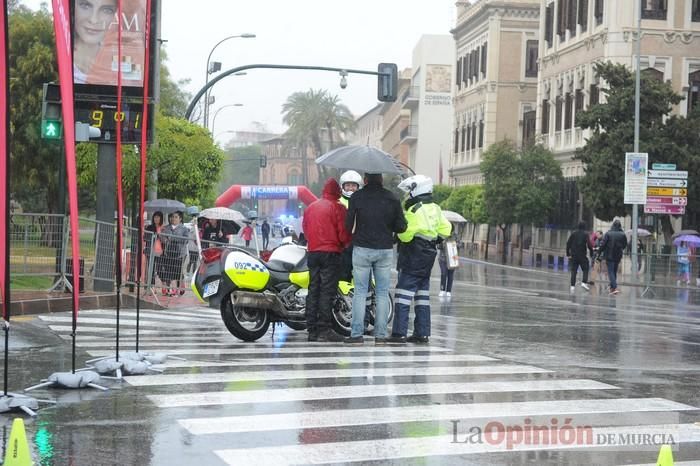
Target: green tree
<point>519,186</point>
<point>441,192</point>
<point>173,99</point>
<point>32,62</point>
<point>670,140</point>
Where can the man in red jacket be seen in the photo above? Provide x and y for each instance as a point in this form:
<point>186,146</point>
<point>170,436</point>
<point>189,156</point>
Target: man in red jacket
<point>324,227</point>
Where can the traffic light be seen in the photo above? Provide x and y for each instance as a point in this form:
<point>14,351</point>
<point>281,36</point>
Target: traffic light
<point>51,121</point>
<point>263,161</point>
<point>387,82</point>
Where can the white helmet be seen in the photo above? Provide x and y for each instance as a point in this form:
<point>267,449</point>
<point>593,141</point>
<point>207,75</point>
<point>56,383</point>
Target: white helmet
<point>416,185</point>
<point>350,176</point>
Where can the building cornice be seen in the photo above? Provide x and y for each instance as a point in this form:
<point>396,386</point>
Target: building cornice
<point>482,11</point>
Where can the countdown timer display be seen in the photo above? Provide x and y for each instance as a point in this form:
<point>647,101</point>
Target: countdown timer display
<point>104,115</point>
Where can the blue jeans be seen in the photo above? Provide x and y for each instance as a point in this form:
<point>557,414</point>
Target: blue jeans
<point>612,273</point>
<point>378,262</point>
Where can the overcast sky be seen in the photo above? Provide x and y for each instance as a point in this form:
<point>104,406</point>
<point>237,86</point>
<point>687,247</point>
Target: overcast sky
<point>346,34</point>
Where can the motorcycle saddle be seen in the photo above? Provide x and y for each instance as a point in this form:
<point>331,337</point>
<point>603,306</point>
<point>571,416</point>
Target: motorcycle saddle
<point>282,266</point>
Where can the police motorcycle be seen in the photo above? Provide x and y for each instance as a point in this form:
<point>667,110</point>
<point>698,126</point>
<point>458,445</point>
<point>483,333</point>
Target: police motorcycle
<point>252,294</point>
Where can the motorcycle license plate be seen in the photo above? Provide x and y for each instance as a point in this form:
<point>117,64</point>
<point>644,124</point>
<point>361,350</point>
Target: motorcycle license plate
<point>210,289</point>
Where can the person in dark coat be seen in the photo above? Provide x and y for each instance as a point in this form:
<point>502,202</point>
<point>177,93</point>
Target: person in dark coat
<point>324,226</point>
<point>611,248</point>
<point>577,246</point>
<point>153,245</point>
<point>265,230</point>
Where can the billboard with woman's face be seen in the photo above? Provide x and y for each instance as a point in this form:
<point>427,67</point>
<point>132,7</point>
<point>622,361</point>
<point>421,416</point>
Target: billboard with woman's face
<point>96,57</point>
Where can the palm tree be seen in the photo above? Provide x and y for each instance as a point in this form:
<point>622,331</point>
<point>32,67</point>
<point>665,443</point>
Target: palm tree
<point>310,114</point>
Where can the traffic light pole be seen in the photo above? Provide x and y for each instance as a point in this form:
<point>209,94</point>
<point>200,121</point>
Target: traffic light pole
<point>386,88</point>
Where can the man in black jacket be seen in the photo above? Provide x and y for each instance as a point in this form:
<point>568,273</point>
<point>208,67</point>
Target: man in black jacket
<point>374,216</point>
<point>612,247</point>
<point>576,247</point>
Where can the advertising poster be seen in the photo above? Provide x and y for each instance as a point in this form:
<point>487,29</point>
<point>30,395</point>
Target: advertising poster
<point>636,178</point>
<point>95,31</point>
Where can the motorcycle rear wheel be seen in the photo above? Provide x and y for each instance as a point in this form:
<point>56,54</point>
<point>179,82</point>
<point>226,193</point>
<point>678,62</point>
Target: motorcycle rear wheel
<point>341,313</point>
<point>245,323</point>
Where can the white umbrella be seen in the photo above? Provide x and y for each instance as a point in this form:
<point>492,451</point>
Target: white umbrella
<point>641,233</point>
<point>223,213</point>
<point>454,216</point>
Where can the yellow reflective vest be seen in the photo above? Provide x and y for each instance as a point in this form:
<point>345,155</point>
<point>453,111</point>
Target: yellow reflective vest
<point>425,221</point>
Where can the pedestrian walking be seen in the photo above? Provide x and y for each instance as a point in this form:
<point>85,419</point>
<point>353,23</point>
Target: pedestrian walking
<point>265,231</point>
<point>426,227</point>
<point>577,247</point>
<point>683,259</point>
<point>611,249</point>
<point>324,225</point>
<point>247,234</point>
<point>448,265</point>
<point>374,217</point>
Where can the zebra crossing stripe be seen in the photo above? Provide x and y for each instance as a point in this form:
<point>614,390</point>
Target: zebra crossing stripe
<point>402,359</point>
<point>128,322</point>
<point>372,390</point>
<point>463,412</point>
<point>175,315</point>
<point>418,447</point>
<point>220,377</point>
<point>82,329</point>
<point>241,350</point>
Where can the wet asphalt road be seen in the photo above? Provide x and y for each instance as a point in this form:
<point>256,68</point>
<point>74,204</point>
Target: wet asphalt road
<point>511,348</point>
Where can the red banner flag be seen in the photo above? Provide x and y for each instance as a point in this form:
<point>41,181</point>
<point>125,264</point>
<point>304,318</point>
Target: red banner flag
<point>64,52</point>
<point>4,165</point>
<point>144,134</point>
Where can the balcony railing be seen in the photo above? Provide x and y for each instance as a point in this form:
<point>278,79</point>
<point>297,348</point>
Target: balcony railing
<point>409,132</point>
<point>410,97</point>
<point>567,138</point>
<point>579,137</point>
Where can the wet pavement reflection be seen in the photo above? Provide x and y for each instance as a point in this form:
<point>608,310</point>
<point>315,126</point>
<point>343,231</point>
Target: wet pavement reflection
<point>511,348</point>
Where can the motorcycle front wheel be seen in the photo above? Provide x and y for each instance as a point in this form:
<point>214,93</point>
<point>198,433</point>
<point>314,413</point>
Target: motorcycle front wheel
<point>245,323</point>
<point>342,312</point>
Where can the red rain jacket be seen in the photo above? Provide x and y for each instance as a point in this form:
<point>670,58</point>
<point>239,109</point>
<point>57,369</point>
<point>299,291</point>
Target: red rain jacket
<point>324,221</point>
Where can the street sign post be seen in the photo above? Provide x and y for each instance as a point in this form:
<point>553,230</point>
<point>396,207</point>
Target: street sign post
<point>666,183</point>
<point>664,209</point>
<point>678,174</point>
<point>667,192</point>
<point>663,166</point>
<point>667,200</point>
<point>636,177</point>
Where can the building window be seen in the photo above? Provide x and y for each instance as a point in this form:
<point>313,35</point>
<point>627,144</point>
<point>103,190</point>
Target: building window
<point>571,17</point>
<point>583,14</point>
<point>464,70</point>
<point>459,74</point>
<point>483,59</point>
<point>475,64</point>
<point>695,13</point>
<point>578,105</point>
<point>467,67</point>
<point>568,110</point>
<point>531,59</point>
<point>561,19</point>
<point>464,138</point>
<point>529,122</point>
<point>598,11</point>
<point>481,133</point>
<point>557,113</point>
<point>693,91</point>
<point>549,24</point>
<point>467,139</point>
<point>654,9</point>
<point>653,73</point>
<point>545,116</point>
<point>474,135</point>
<point>595,95</point>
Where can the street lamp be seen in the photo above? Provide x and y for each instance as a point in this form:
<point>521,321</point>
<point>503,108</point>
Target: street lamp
<point>214,69</point>
<point>213,120</point>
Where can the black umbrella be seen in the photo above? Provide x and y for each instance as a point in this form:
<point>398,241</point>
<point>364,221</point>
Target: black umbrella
<point>164,205</point>
<point>361,158</point>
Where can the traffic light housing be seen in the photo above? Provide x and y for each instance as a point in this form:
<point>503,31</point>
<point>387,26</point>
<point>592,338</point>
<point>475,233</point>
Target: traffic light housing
<point>51,118</point>
<point>263,161</point>
<point>387,82</point>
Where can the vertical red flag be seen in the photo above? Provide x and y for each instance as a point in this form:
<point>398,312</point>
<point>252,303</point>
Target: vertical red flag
<point>144,133</point>
<point>120,195</point>
<point>64,52</point>
<point>4,165</point>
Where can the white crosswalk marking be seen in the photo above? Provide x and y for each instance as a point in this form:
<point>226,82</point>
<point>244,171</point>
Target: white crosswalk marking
<point>273,386</point>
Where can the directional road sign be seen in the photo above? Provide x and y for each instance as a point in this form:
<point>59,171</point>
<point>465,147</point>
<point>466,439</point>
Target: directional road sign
<point>667,192</point>
<point>663,166</point>
<point>682,174</point>
<point>667,200</point>
<point>664,209</point>
<point>666,183</point>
